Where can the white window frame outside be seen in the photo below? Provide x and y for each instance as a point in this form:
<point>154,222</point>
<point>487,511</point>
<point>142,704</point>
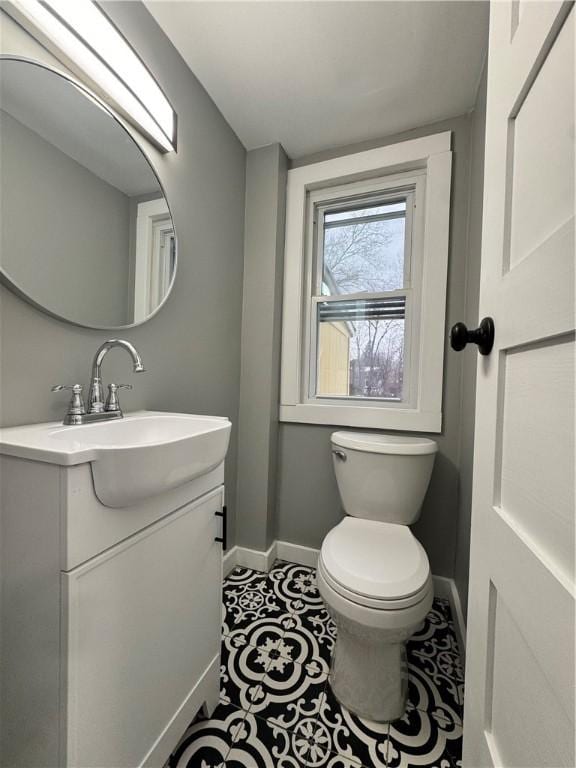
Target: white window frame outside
<point>412,185</point>
<point>426,164</point>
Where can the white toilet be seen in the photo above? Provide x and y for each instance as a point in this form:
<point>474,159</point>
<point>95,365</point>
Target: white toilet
<point>373,574</point>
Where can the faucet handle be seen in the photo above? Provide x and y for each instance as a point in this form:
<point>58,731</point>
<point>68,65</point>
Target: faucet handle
<point>112,403</point>
<point>76,405</point>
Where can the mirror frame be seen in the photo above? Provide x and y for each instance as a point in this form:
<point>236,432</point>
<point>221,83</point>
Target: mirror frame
<point>11,284</point>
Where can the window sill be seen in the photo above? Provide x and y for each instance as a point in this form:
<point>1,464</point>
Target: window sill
<point>402,419</point>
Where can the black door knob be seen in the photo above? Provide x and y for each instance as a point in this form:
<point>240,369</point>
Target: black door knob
<point>483,336</point>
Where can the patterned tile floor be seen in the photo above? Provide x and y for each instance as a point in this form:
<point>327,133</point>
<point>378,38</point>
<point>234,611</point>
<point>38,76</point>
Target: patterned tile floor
<point>277,709</point>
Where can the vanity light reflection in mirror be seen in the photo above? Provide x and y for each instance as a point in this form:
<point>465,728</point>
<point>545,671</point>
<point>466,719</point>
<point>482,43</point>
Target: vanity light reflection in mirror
<point>81,31</point>
<point>87,233</point>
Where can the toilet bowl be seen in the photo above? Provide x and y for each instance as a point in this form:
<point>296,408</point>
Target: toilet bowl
<point>373,574</point>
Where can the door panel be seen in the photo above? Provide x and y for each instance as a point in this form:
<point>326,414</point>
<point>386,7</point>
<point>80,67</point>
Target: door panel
<point>537,482</point>
<point>542,152</point>
<point>143,625</point>
<point>521,702</point>
<point>519,707</point>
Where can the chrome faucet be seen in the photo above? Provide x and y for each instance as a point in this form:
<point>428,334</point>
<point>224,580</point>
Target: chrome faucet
<point>96,397</point>
<point>98,410</point>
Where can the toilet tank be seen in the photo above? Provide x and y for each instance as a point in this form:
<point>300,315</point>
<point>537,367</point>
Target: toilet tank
<point>382,477</point>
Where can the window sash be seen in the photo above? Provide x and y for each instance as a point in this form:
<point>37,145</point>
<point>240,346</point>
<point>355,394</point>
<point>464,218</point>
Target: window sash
<point>408,385</point>
<point>406,193</point>
<point>384,191</point>
<point>377,307</point>
<point>362,219</point>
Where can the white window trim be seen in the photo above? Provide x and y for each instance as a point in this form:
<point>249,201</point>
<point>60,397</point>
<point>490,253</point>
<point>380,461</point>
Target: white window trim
<point>431,153</point>
<point>151,215</point>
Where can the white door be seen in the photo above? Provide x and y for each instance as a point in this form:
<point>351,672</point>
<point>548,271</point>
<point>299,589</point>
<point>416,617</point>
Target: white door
<point>520,663</point>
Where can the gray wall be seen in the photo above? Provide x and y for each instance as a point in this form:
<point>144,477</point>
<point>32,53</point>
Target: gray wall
<point>308,504</point>
<point>266,170</point>
<point>469,355</point>
<point>62,227</point>
<point>192,347</point>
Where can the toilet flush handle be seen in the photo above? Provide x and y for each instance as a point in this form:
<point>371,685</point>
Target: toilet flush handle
<point>339,454</point>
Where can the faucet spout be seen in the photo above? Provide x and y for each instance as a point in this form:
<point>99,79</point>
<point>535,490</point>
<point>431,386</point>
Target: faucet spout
<point>103,349</point>
<point>96,397</point>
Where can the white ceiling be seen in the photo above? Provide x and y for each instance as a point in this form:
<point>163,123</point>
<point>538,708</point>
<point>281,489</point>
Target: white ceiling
<point>315,74</point>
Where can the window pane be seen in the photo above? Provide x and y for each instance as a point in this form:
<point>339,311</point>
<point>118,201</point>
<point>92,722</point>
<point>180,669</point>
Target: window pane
<point>361,348</point>
<point>364,255</point>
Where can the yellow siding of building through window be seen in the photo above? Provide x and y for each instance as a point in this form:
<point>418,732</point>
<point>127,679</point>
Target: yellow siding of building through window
<point>333,359</point>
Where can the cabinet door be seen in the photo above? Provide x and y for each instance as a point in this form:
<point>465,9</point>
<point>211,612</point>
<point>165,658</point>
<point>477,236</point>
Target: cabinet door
<point>143,623</point>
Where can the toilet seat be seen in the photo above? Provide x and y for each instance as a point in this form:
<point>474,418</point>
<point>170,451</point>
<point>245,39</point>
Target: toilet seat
<point>374,564</point>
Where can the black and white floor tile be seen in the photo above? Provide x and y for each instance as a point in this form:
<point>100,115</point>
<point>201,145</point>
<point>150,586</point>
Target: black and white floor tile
<point>277,709</point>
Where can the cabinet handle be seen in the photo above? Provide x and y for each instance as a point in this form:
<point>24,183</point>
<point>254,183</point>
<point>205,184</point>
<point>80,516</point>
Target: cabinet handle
<point>224,538</point>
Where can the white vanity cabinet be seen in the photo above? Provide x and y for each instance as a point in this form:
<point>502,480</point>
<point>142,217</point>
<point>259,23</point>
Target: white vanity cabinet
<point>110,617</point>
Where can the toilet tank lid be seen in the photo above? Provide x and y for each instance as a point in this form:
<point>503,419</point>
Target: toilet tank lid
<point>375,442</point>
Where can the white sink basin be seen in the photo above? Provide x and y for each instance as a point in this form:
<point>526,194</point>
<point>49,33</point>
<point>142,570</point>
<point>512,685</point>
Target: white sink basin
<point>141,455</point>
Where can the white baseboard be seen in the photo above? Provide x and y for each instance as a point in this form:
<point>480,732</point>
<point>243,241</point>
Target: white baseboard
<point>229,561</point>
<point>263,561</point>
<point>444,587</point>
<point>249,558</point>
<point>459,619</point>
<point>296,553</point>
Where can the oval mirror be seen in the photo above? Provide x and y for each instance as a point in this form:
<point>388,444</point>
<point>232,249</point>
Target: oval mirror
<point>86,233</point>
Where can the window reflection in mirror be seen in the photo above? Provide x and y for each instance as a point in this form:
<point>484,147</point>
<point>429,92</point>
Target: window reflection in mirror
<point>86,231</point>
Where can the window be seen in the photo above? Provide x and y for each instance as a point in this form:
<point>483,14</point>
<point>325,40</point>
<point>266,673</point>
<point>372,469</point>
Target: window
<point>360,298</point>
<point>155,256</point>
<point>365,288</point>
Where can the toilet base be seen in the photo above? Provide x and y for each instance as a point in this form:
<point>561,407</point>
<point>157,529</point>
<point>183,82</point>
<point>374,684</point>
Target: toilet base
<point>369,673</point>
